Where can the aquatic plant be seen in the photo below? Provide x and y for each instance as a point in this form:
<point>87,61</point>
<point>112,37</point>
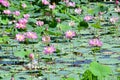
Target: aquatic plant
<point>54,39</point>
<point>95,42</point>
<point>70,34</point>
<point>49,50</point>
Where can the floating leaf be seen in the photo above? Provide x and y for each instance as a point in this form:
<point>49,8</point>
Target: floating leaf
<point>73,17</point>
<point>76,1</point>
<point>62,16</point>
<point>32,20</point>
<point>22,53</point>
<point>88,76</point>
<point>100,8</point>
<point>4,39</point>
<point>63,27</point>
<point>38,30</point>
<point>53,24</point>
<point>96,25</point>
<point>4,21</point>
<point>83,25</point>
<point>99,70</point>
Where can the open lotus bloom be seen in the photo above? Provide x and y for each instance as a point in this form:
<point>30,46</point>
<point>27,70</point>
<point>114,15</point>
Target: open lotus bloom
<point>20,26</point>
<point>45,2</point>
<point>70,4</point>
<point>40,23</point>
<point>8,12</point>
<point>95,42</point>
<point>5,3</point>
<point>23,21</point>
<point>20,37</point>
<point>31,35</point>
<point>70,34</point>
<point>16,13</point>
<point>49,49</point>
<point>88,18</point>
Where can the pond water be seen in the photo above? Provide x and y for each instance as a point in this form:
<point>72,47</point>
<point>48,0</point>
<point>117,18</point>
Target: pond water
<point>72,61</point>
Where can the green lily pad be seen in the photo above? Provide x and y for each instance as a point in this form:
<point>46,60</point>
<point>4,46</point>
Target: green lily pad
<point>96,25</point>
<point>99,70</point>
<point>83,25</point>
<point>63,27</point>
<point>22,53</point>
<point>53,24</point>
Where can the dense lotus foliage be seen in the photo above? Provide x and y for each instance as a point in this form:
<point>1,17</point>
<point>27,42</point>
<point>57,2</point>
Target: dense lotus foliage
<point>59,40</point>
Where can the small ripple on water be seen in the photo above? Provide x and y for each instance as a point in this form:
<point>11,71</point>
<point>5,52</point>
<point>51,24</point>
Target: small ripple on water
<point>83,62</point>
<point>64,72</point>
<point>105,56</point>
<point>75,62</point>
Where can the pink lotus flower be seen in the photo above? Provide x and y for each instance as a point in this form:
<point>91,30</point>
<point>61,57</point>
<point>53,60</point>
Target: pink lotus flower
<point>23,21</point>
<point>31,56</point>
<point>16,13</point>
<point>46,39</point>
<point>70,34</point>
<point>31,35</point>
<point>45,2</point>
<point>78,10</point>
<point>95,42</point>
<point>20,26</point>
<point>5,3</point>
<point>52,6</point>
<point>49,50</point>
<point>71,23</point>
<point>20,37</point>
<point>24,5</point>
<point>1,1</point>
<point>71,4</point>
<point>26,16</point>
<point>113,20</point>
<point>8,12</point>
<point>66,1</point>
<point>40,23</point>
<point>117,2</point>
<point>88,18</point>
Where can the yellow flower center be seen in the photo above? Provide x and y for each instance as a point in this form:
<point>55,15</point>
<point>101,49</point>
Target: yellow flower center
<point>20,37</point>
<point>49,49</point>
<point>70,33</point>
<point>21,25</point>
